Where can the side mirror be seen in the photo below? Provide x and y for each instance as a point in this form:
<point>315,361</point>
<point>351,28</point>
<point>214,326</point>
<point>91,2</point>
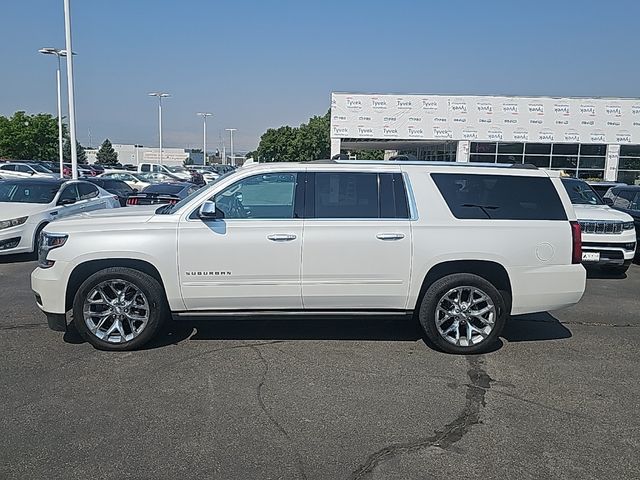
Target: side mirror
<point>607,201</point>
<point>67,201</point>
<point>32,173</point>
<point>208,210</point>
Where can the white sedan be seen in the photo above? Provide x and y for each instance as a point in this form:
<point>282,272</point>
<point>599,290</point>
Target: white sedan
<point>25,170</point>
<point>27,205</point>
<point>135,180</point>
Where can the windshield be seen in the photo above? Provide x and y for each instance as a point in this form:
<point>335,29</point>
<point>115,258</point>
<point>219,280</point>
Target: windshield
<point>167,209</point>
<point>580,192</point>
<point>28,192</point>
<point>39,168</point>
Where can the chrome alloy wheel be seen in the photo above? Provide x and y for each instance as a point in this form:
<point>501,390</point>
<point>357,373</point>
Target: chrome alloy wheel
<point>116,311</point>
<point>465,316</point>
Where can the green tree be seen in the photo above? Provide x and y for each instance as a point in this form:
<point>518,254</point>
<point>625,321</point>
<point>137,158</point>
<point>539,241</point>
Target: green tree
<point>309,141</point>
<point>106,154</point>
<point>369,154</point>
<point>29,137</point>
<point>80,152</point>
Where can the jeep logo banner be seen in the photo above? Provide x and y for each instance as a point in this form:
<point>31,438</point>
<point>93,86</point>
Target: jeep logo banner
<point>485,118</point>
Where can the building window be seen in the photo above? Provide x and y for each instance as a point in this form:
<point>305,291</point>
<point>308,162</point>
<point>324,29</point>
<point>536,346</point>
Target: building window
<point>629,164</point>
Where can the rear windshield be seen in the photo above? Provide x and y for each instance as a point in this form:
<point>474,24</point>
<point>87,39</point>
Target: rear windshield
<point>500,197</point>
<point>26,192</point>
<point>581,192</point>
<point>164,189</point>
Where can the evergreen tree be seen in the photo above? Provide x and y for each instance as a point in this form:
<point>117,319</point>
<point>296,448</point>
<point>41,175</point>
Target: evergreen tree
<point>106,154</point>
<point>80,152</point>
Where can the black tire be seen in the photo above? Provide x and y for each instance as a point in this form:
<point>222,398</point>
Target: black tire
<point>429,304</point>
<point>157,313</point>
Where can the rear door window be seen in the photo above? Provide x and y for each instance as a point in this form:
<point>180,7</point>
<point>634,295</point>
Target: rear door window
<point>87,191</point>
<point>500,197</point>
<point>346,195</point>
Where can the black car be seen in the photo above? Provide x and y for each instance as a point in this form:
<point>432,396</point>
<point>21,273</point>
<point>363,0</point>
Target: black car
<point>166,192</point>
<point>117,187</point>
<point>626,199</point>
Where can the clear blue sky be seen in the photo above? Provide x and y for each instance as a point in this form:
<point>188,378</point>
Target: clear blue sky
<point>260,64</point>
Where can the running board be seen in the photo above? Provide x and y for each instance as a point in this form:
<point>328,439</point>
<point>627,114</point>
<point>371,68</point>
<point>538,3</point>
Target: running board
<point>212,314</point>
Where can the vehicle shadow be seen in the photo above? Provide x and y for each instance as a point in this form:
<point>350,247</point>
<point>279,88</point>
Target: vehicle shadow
<point>534,328</point>
<point>599,274</point>
<point>18,258</point>
<point>537,327</point>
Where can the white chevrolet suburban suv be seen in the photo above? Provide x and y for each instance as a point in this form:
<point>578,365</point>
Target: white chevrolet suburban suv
<point>459,246</point>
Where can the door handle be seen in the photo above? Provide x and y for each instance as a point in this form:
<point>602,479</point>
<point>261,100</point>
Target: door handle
<point>390,236</point>
<point>282,237</point>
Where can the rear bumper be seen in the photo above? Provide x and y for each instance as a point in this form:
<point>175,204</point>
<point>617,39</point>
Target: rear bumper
<point>540,289</point>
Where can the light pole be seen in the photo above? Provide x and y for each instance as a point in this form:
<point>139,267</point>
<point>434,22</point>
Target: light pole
<point>160,96</point>
<point>231,130</point>
<point>204,116</point>
<point>58,53</point>
<point>71,98</point>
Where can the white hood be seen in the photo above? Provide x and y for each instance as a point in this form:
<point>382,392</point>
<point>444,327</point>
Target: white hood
<point>600,212</point>
<point>9,210</point>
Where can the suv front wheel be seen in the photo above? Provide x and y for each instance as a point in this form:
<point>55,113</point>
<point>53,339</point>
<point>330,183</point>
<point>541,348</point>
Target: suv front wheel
<point>462,313</point>
<point>119,308</point>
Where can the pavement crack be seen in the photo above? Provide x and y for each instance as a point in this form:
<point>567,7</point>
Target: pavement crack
<point>24,326</point>
<point>217,350</point>
<point>270,416</point>
<point>600,324</point>
<point>451,433</point>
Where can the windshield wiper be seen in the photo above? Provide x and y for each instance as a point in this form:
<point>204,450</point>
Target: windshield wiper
<point>484,208</point>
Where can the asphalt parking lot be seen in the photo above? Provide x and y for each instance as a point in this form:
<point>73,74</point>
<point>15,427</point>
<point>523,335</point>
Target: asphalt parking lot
<point>318,399</point>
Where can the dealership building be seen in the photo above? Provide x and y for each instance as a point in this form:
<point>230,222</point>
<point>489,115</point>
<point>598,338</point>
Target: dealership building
<point>590,138</point>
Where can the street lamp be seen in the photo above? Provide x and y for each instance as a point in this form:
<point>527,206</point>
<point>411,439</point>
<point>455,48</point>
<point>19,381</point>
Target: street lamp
<point>70,94</point>
<point>58,53</point>
<point>160,96</point>
<point>204,116</point>
<point>231,130</point>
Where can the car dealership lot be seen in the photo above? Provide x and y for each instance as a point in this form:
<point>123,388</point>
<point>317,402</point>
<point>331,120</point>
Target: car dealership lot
<point>321,399</point>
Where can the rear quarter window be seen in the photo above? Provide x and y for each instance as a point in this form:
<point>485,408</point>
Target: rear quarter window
<point>500,197</point>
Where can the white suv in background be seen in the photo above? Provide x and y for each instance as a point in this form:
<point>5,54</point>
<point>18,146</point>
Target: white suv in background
<point>459,246</point>
<point>608,235</point>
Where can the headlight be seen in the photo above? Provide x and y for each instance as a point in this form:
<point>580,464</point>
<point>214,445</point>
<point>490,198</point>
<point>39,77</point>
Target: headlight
<point>628,226</point>
<point>48,242</point>
<point>14,222</point>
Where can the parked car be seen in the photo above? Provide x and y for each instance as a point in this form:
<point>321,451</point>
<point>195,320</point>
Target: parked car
<point>209,174</point>
<point>97,168</point>
<point>83,170</point>
<point>626,198</point>
<point>461,247</point>
<point>601,188</point>
<point>130,167</point>
<point>136,181</point>
<point>159,177</point>
<point>27,205</point>
<point>115,187</point>
<point>608,236</point>
<point>53,166</point>
<point>169,192</point>
<point>25,170</point>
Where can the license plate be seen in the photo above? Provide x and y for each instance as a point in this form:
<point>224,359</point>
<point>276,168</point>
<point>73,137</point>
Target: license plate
<point>590,256</point>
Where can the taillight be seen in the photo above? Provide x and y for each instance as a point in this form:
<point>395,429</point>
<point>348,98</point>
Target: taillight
<point>132,201</point>
<point>576,238</point>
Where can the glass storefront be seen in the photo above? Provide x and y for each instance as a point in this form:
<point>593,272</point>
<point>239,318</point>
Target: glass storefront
<point>629,164</point>
<point>581,161</point>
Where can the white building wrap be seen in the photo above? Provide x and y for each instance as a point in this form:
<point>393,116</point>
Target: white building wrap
<point>485,118</point>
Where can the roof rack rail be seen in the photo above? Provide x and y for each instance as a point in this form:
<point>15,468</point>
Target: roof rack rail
<point>526,166</point>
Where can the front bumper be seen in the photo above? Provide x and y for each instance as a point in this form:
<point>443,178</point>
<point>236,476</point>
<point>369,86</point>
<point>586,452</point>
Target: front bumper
<point>613,250</point>
<point>15,240</point>
<point>49,288</point>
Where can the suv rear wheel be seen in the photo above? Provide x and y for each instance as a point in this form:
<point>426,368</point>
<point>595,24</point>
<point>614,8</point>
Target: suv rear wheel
<point>462,313</point>
<point>119,308</point>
